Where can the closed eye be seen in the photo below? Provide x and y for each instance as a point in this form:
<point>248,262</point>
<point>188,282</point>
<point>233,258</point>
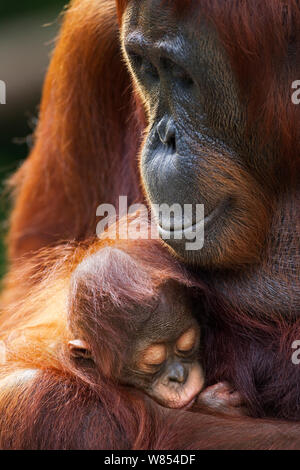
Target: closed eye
<point>187,342</point>
<point>153,357</point>
<point>142,66</point>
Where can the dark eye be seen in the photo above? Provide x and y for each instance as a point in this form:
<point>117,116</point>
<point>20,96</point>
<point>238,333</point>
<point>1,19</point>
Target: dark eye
<point>143,66</point>
<point>178,73</point>
<point>182,77</point>
<point>136,60</point>
<point>149,69</point>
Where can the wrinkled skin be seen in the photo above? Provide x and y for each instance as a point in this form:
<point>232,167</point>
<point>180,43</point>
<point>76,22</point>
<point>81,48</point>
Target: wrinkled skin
<point>198,150</point>
<point>163,357</point>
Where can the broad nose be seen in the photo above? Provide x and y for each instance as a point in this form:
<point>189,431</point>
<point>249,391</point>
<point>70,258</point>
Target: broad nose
<point>166,132</point>
<point>177,373</point>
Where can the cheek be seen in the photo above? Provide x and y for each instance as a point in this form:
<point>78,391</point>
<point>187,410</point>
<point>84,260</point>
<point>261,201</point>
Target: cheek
<point>242,226</point>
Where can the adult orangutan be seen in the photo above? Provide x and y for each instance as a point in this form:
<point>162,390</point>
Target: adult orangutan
<point>204,89</point>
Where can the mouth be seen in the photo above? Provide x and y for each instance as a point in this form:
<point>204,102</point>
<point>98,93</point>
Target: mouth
<point>181,396</point>
<point>178,228</point>
<point>185,405</point>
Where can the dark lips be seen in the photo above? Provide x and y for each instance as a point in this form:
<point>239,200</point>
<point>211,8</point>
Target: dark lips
<point>178,230</point>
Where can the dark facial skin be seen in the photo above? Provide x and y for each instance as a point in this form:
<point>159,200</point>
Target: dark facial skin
<point>163,360</point>
<point>195,151</point>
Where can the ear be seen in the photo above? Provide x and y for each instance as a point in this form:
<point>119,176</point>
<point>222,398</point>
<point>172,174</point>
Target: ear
<point>79,349</point>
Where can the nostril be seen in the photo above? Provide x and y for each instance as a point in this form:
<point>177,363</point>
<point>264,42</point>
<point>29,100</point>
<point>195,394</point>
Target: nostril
<point>177,374</point>
<point>176,379</point>
<point>172,142</point>
<point>166,132</point>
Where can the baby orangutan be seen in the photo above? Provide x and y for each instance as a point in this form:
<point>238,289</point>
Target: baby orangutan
<point>133,323</point>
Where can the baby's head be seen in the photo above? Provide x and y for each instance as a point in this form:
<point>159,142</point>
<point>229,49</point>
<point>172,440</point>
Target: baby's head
<point>132,321</point>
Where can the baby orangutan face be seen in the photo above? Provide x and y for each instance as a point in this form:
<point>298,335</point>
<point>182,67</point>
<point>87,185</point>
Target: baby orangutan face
<point>164,359</point>
<point>160,337</point>
<point>162,355</point>
<point>168,371</point>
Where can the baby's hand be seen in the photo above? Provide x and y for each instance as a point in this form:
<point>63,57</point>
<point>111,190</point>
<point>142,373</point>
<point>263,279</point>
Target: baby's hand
<point>222,398</point>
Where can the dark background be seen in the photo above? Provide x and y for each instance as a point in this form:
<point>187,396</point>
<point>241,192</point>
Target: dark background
<point>27,34</point>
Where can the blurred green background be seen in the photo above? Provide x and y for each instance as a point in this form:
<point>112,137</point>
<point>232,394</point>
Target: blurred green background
<point>27,33</point>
